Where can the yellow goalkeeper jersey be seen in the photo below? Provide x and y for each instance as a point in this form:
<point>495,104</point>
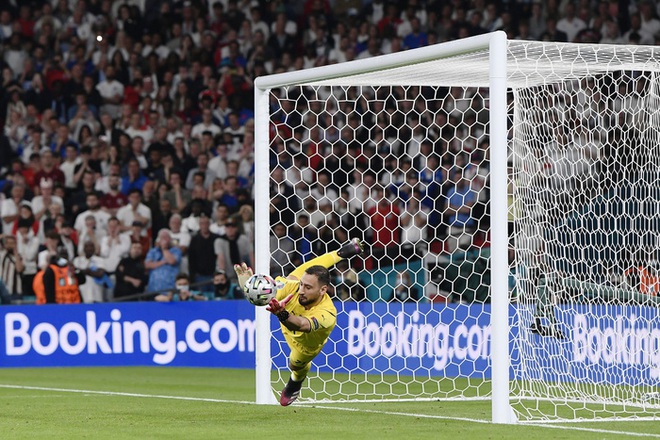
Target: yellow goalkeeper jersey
<point>322,319</point>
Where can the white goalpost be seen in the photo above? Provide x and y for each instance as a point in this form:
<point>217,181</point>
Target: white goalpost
<point>508,193</point>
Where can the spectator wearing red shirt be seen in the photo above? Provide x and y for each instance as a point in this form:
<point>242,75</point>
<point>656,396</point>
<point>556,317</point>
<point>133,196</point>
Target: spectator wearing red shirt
<point>384,223</point>
<point>114,198</point>
<point>33,167</point>
<point>26,21</point>
<point>49,169</point>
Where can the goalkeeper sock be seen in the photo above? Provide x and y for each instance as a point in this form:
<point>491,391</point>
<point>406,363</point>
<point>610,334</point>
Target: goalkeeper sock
<point>298,376</point>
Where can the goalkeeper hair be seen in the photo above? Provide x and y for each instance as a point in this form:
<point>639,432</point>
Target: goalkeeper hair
<point>322,273</point>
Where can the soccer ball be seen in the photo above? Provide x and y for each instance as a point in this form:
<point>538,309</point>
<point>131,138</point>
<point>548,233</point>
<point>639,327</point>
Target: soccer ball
<point>259,289</point>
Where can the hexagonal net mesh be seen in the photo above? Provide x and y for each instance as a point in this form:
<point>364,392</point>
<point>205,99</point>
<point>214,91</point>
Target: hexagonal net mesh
<point>406,168</point>
<point>586,239</point>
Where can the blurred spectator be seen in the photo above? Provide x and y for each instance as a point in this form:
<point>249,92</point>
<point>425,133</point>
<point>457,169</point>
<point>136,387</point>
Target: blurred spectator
<point>637,35</point>
<point>199,198</point>
<point>182,291</point>
<point>460,200</point>
<point>282,248</point>
<point>552,33</point>
<point>135,210</point>
<point>384,223</point>
<point>59,142</point>
<point>413,224</point>
<point>220,218</point>
<point>111,91</point>
<point>69,166</point>
<point>27,246</point>
<point>232,248</point>
<point>231,195</point>
<point>89,233</point>
<point>180,239</point>
<point>347,283</point>
<point>78,199</point>
<point>405,290</point>
<point>245,219</point>
<point>207,174</point>
<point>177,195</point>
<point>68,236</point>
<point>134,178</point>
<point>113,199</point>
<point>206,125</point>
<point>130,274</point>
<point>162,262</point>
<point>91,265</point>
<point>12,267</point>
<point>48,250</point>
<point>203,244</point>
<point>9,208</point>
<point>570,24</point>
<point>42,202</point>
<point>114,245</point>
<point>191,223</point>
<point>223,288</point>
<point>93,209</point>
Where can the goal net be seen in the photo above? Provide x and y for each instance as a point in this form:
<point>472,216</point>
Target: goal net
<point>507,193</point>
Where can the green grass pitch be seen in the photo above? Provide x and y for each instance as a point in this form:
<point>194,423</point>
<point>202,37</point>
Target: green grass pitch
<point>197,403</point>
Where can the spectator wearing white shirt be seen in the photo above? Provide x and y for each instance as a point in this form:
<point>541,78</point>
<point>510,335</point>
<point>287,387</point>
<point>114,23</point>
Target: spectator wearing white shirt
<point>636,35</point>
<point>134,211</point>
<point>90,233</point>
<point>93,209</point>
<point>173,125</point>
<point>218,163</point>
<point>220,218</point>
<point>236,130</point>
<point>9,208</point>
<point>650,23</point>
<point>68,166</point>
<point>114,245</point>
<point>137,128</point>
<point>570,24</point>
<point>181,239</point>
<point>190,224</point>
<point>322,189</point>
<point>413,226</point>
<point>611,33</point>
<point>42,202</point>
<point>112,92</point>
<point>91,265</point>
<point>27,246</point>
<point>206,124</point>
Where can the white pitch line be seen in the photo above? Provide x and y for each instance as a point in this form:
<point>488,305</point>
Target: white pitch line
<point>115,393</point>
<point>362,410</point>
<point>465,419</point>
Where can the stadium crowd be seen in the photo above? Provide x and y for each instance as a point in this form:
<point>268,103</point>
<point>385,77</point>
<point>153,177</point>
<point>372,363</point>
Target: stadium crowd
<point>128,138</point>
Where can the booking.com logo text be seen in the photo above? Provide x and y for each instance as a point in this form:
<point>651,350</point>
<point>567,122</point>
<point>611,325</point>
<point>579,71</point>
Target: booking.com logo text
<point>125,337</point>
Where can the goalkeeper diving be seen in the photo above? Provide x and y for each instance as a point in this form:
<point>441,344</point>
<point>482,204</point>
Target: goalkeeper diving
<point>305,311</point>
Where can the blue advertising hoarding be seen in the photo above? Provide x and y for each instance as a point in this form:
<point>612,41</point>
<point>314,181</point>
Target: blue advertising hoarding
<point>614,344</point>
<point>178,334</point>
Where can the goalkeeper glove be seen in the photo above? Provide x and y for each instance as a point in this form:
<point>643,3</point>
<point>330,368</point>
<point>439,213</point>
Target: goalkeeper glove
<point>243,272</point>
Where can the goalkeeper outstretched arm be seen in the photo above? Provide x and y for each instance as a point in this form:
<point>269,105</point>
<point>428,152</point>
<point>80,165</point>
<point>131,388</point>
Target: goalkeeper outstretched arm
<point>350,249</point>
